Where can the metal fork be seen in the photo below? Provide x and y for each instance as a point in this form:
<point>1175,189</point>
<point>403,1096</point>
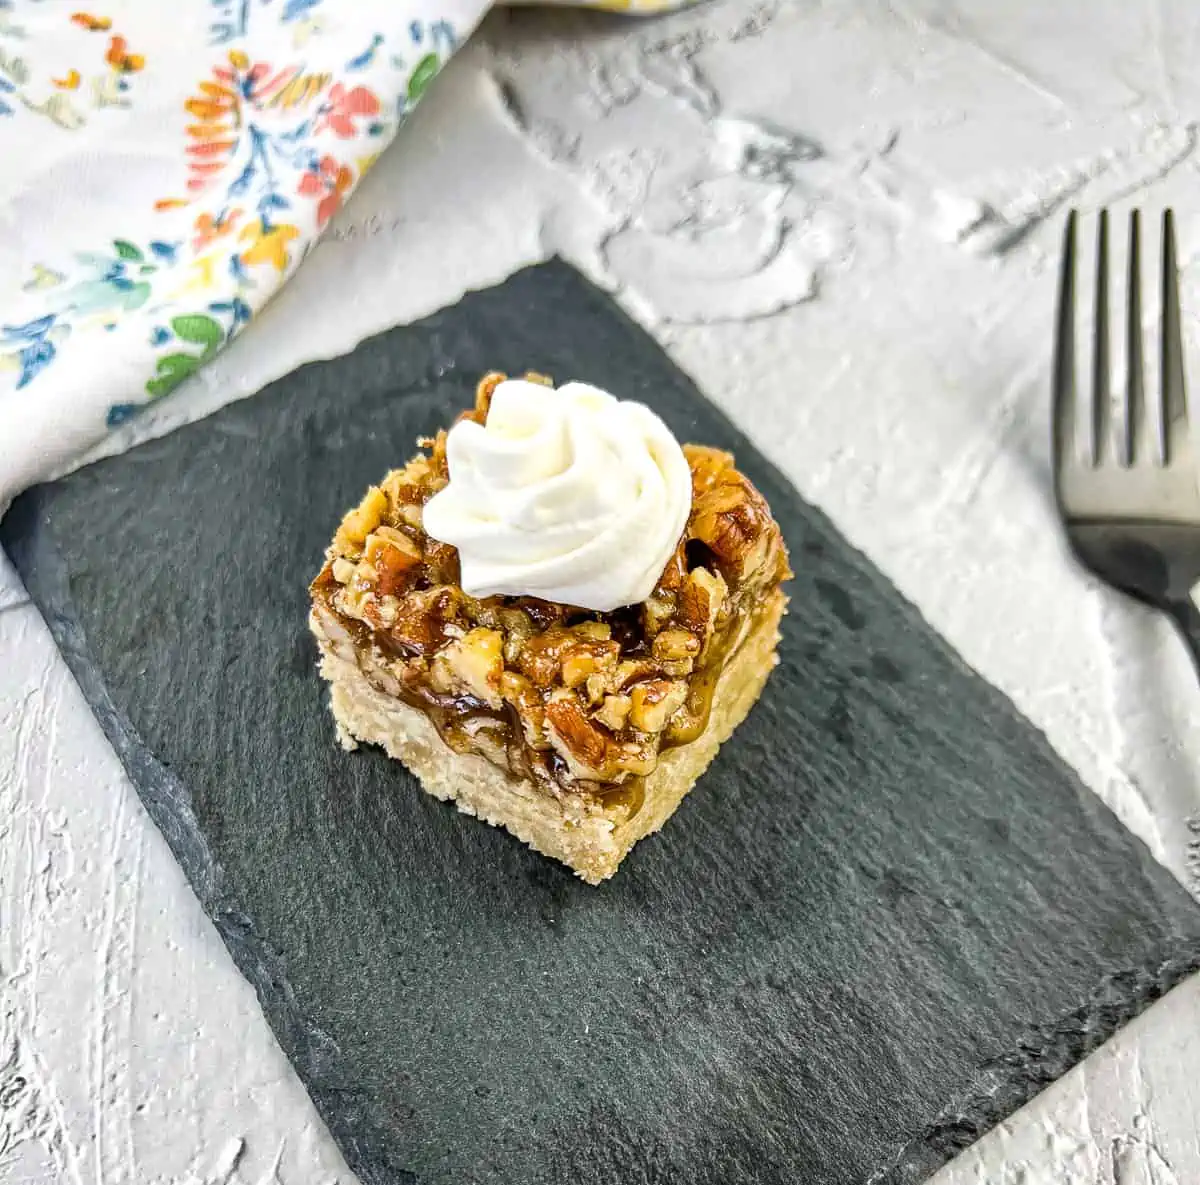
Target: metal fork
<point>1129,499</point>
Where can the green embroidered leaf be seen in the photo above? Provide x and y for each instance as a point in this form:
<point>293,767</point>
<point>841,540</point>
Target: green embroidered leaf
<point>422,76</point>
<point>126,250</point>
<point>136,295</point>
<point>172,370</point>
<point>199,329</point>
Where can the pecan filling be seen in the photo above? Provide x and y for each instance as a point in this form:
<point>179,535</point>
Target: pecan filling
<point>579,702</point>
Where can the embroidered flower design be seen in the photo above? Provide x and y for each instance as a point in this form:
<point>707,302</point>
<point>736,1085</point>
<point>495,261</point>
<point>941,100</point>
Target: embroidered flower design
<point>289,111</point>
<point>268,244</point>
<point>330,180</point>
<point>210,228</point>
<point>341,108</point>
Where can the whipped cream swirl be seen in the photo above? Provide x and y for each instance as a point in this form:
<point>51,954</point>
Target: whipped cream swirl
<point>569,495</point>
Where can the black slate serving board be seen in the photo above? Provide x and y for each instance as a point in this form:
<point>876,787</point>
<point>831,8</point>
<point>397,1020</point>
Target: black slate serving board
<point>887,917</point>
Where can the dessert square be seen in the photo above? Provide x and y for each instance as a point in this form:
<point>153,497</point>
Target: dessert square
<point>576,721</point>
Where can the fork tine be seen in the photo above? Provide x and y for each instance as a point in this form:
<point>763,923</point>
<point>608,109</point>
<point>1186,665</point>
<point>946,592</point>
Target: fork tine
<point>1174,394</point>
<point>1141,433</point>
<point>1100,425</point>
<point>1064,356</point>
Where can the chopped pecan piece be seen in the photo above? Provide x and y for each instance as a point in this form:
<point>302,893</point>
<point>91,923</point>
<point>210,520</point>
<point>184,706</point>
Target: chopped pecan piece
<point>473,664</point>
<point>652,704</point>
<point>586,658</point>
<point>391,561</point>
<point>657,613</point>
<point>676,645</point>
<point>731,518</point>
<point>529,706</point>
<point>707,464</point>
<point>675,571</point>
<point>700,603</point>
<point>421,620</point>
<point>360,522</point>
<point>614,711</point>
<point>441,562</point>
<point>483,395</point>
<point>581,744</point>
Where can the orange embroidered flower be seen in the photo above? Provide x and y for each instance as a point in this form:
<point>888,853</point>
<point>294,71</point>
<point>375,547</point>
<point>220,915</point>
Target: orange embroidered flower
<point>215,104</point>
<point>85,20</point>
<point>216,110</point>
<point>119,57</point>
<point>209,229</point>
<point>224,106</point>
<point>330,180</point>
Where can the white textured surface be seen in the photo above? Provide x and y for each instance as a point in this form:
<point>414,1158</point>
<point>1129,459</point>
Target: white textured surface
<point>11,592</point>
<point>842,219</point>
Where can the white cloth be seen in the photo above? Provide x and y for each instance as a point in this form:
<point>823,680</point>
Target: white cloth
<point>167,167</point>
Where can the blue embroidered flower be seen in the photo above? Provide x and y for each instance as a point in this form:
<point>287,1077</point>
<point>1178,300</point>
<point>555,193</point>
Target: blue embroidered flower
<point>238,309</point>
<point>363,60</point>
<point>294,8</point>
<point>35,342</point>
<point>119,413</point>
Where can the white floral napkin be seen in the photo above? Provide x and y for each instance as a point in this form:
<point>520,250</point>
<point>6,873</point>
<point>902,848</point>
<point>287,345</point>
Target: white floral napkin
<point>166,167</point>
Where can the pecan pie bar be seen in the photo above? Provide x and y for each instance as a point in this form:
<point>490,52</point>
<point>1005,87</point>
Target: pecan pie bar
<point>578,730</point>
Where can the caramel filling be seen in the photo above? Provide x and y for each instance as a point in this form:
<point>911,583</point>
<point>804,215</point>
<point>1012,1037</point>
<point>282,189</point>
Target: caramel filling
<point>467,724</point>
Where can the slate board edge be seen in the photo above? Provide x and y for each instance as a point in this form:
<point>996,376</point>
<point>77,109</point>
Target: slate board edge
<point>168,802</point>
<point>1000,1088</point>
<point>1044,1055</point>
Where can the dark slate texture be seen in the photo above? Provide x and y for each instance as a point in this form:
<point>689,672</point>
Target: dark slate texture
<point>886,918</point>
